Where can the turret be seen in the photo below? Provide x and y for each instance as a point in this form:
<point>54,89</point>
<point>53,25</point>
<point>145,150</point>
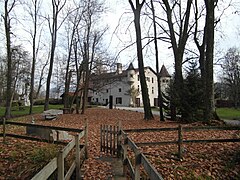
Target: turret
<point>130,73</point>
<point>165,78</point>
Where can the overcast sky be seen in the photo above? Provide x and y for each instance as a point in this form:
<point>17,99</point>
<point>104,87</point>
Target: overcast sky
<point>119,18</point>
<point>226,36</point>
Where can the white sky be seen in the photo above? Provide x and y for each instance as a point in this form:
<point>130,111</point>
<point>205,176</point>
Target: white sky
<point>228,37</point>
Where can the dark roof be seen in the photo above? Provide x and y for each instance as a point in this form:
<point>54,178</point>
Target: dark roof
<point>111,75</point>
<point>130,67</point>
<point>164,72</point>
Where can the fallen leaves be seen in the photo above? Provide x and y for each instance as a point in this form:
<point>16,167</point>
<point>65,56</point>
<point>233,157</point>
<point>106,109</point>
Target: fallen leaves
<point>215,160</point>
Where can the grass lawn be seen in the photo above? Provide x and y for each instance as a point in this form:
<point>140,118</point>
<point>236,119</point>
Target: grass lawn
<point>25,111</point>
<point>229,113</point>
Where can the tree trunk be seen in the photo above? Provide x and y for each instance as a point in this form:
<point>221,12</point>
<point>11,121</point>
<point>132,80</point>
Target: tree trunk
<point>33,58</point>
<point>145,96</point>
<point>7,26</point>
<point>160,98</point>
<point>86,83</point>
<point>53,29</point>
<point>178,51</point>
<point>209,97</point>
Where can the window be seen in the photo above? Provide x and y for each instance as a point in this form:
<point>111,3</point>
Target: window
<point>163,80</point>
<point>166,81</point>
<point>131,75</point>
<point>119,90</point>
<point>152,80</point>
<point>107,90</point>
<point>138,77</point>
<point>148,79</point>
<point>152,90</point>
<point>118,100</point>
<point>138,88</point>
<point>96,99</point>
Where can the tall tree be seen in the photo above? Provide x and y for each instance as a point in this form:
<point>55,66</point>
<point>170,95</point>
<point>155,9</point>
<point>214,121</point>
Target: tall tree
<point>33,11</point>
<point>8,7</point>
<point>209,96</point>
<point>182,30</point>
<point>160,98</point>
<point>206,53</point>
<point>90,41</point>
<point>57,6</point>
<point>145,96</point>
<point>73,26</point>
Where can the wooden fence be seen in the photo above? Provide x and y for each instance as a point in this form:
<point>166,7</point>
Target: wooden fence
<point>114,140</point>
<point>58,162</point>
<point>181,140</point>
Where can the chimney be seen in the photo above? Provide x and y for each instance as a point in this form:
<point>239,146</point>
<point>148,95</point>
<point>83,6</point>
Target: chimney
<point>119,68</point>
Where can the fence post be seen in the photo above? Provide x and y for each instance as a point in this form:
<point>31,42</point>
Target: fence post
<point>86,138</point>
<point>101,138</point>
<point>78,170</point>
<point>125,154</point>
<point>137,165</point>
<point>4,130</point>
<point>60,165</point>
<point>111,139</point>
<point>114,140</point>
<point>119,139</point>
<point>180,142</point>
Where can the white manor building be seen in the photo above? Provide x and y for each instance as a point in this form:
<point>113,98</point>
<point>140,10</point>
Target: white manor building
<point>123,86</point>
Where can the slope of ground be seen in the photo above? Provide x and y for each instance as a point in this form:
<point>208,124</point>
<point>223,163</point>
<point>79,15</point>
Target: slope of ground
<point>213,161</point>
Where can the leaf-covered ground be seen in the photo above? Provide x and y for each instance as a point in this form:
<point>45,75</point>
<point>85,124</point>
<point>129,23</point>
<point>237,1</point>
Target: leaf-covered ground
<point>200,161</point>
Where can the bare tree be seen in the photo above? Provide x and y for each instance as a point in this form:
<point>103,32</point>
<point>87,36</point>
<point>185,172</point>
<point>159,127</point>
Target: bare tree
<point>73,21</point>
<point>178,43</point>
<point>57,6</point>
<point>89,42</point>
<point>33,9</point>
<point>160,98</point>
<point>231,75</point>
<point>8,7</point>
<point>145,96</point>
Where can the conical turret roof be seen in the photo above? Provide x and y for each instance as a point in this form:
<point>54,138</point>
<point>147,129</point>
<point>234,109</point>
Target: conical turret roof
<point>131,67</point>
<point>164,72</point>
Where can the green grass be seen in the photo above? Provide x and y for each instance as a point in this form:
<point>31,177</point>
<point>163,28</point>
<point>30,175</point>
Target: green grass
<point>228,113</point>
<point>25,111</point>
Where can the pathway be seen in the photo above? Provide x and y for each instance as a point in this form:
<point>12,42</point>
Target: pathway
<point>117,167</point>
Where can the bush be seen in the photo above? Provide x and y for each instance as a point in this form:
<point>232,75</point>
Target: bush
<point>55,101</point>
<point>39,102</point>
<point>43,154</point>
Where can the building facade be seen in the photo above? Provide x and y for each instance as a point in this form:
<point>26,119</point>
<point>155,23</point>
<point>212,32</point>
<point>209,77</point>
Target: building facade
<point>123,86</point>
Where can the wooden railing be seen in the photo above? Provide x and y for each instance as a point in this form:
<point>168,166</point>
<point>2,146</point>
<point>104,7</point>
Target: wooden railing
<point>57,163</point>
<point>180,140</point>
<point>140,158</point>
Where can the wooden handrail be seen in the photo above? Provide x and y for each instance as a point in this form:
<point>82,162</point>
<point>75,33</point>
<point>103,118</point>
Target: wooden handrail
<point>152,172</point>
<point>186,129</point>
<point>58,162</point>
<point>44,126</point>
